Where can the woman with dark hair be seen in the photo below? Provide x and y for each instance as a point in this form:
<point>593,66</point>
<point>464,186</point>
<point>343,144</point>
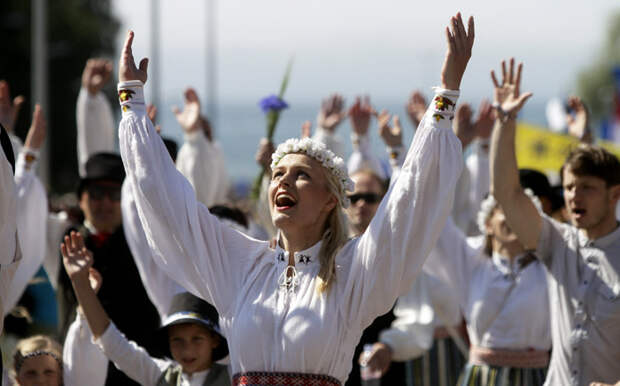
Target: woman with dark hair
<point>297,311</point>
<point>502,293</point>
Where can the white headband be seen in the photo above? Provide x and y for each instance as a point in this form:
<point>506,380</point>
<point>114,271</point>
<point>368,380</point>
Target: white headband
<point>489,203</point>
<point>317,150</point>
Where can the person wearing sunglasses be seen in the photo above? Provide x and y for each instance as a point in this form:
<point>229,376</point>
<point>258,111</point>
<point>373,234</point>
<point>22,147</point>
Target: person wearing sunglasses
<point>369,190</point>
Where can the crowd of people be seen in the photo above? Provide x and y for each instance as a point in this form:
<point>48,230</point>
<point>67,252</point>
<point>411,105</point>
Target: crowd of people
<point>440,263</point>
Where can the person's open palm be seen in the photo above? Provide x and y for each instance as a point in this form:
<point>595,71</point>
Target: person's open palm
<point>76,258</point>
<point>507,94</point>
<point>189,117</point>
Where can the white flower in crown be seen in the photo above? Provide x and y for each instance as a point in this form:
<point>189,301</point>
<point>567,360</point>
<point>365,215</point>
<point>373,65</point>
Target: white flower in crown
<point>317,150</point>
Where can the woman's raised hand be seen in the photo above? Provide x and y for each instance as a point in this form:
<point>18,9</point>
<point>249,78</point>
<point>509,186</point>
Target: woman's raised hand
<point>460,43</point>
<point>36,133</point>
<point>127,69</point>
<point>76,258</point>
<point>508,93</point>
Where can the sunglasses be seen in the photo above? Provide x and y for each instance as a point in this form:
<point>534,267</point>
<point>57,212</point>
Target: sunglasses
<point>369,198</point>
<point>98,192</point>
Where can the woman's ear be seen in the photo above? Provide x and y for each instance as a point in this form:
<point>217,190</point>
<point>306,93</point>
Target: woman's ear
<point>331,203</point>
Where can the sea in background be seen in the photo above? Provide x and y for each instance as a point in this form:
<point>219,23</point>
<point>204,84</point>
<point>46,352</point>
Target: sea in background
<point>240,126</point>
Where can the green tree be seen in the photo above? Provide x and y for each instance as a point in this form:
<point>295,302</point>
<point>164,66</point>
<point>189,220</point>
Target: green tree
<point>77,30</point>
<point>596,83</point>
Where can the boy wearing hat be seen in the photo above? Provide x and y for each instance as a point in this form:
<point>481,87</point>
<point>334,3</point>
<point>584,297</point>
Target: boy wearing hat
<point>191,331</point>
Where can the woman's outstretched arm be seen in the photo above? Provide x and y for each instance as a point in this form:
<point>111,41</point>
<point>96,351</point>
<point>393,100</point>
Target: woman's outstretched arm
<point>190,245</point>
<point>391,252</point>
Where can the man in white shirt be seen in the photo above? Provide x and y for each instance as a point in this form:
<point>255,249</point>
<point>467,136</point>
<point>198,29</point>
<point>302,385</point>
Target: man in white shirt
<point>582,260</point>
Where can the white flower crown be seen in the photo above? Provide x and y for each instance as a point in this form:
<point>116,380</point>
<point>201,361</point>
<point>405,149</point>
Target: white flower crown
<point>317,150</point>
<point>489,203</point>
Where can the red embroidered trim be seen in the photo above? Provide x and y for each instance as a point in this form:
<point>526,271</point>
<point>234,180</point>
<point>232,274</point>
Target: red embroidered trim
<point>256,378</point>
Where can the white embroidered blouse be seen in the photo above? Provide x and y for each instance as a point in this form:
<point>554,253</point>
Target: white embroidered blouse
<point>505,307</point>
<point>269,328</point>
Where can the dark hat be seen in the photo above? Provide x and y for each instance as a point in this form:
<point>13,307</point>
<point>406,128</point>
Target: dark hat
<point>103,166</point>
<point>536,181</point>
<point>187,308</point>
<point>7,148</point>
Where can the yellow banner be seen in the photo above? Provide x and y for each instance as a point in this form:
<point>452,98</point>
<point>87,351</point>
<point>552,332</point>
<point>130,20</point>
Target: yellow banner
<point>543,150</point>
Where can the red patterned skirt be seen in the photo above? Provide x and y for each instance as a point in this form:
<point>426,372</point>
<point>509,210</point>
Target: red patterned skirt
<point>256,378</point>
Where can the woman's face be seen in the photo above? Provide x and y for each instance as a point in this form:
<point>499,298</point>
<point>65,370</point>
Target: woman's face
<point>298,194</point>
<point>498,228</point>
<point>40,370</point>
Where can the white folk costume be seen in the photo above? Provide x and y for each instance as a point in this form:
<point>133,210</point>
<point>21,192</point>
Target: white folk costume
<point>506,308</point>
<point>330,139</point>
<point>202,162</point>
<point>83,361</point>
<point>296,328</point>
<point>363,157</point>
<point>32,212</point>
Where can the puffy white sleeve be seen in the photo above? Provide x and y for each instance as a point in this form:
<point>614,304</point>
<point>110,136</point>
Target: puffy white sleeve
<point>31,224</point>
<point>95,126</point>
<point>411,333</point>
<point>130,358</point>
<point>84,362</point>
<point>57,225</point>
<point>453,260</point>
<point>197,161</point>
<point>197,251</point>
<point>385,259</point>
<point>363,158</point>
<point>158,285</point>
<point>331,140</point>
<point>10,252</point>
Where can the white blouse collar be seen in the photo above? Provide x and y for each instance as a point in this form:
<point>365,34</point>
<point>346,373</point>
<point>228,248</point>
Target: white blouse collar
<point>504,265</point>
<point>197,378</point>
<point>303,259</point>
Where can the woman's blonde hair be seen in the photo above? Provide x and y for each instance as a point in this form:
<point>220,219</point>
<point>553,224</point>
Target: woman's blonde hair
<point>334,238</point>
<point>35,346</point>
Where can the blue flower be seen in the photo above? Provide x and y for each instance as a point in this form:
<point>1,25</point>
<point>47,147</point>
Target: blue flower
<point>272,103</point>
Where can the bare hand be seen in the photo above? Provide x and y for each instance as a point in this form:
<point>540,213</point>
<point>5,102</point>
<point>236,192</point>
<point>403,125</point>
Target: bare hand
<point>306,129</point>
<point>360,114</point>
<point>95,279</point>
<point>96,74</point>
<point>463,126</point>
<point>36,133</point>
<point>151,112</point>
<point>391,135</point>
<point>264,152</point>
<point>189,118</point>
<point>127,69</point>
<point>460,44</point>
<point>379,359</point>
<point>508,93</point>
<point>9,109</point>
<point>483,126</point>
<point>332,112</point>
<point>77,259</point>
<point>579,121</point>
<point>416,108</point>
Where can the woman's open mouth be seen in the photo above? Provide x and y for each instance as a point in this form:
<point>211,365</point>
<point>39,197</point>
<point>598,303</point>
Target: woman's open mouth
<point>284,201</point>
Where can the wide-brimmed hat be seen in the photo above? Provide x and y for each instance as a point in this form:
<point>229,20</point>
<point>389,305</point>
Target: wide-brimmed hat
<point>187,308</point>
<point>103,167</point>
